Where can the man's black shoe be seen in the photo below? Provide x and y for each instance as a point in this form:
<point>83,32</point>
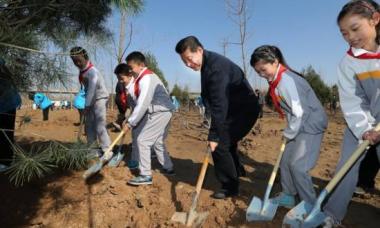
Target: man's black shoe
<point>222,194</point>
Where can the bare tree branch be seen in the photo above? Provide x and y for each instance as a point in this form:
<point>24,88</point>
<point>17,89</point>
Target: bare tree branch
<point>237,12</point>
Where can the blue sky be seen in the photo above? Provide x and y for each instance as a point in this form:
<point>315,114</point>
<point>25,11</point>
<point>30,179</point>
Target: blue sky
<point>305,31</point>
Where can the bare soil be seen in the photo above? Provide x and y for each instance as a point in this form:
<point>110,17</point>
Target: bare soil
<point>63,199</point>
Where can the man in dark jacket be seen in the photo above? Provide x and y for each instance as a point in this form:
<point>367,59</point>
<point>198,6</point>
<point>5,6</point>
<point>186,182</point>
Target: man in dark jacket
<point>233,107</point>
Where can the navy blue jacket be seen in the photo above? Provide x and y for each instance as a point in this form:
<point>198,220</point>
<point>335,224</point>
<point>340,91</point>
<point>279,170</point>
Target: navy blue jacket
<point>228,95</point>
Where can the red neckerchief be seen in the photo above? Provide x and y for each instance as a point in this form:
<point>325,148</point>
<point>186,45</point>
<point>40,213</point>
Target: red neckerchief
<point>365,55</point>
<point>82,72</point>
<point>123,99</point>
<point>272,87</point>
<point>136,86</point>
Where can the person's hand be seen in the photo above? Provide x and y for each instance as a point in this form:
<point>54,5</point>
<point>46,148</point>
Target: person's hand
<point>285,140</point>
<point>126,126</point>
<point>372,136</point>
<point>212,145</point>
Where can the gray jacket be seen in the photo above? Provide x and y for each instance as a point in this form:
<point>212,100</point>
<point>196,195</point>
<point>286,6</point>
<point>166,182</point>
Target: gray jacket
<point>359,92</point>
<point>304,112</point>
<point>94,86</point>
<point>153,98</point>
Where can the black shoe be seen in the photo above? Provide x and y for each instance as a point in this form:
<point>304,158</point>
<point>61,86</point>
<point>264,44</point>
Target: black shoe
<point>168,172</point>
<point>222,194</point>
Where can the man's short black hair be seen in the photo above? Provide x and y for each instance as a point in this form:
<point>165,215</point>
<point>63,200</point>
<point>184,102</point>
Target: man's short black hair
<point>191,42</point>
<point>75,51</point>
<point>136,56</point>
<point>123,69</point>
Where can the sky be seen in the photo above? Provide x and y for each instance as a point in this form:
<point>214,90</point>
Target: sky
<point>305,30</point>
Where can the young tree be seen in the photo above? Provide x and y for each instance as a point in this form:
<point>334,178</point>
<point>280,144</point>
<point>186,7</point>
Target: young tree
<point>320,88</point>
<point>176,91</point>
<point>182,94</point>
<point>152,64</point>
<point>128,7</point>
<point>237,11</point>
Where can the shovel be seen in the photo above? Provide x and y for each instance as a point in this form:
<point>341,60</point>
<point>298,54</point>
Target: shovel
<point>265,210</point>
<point>118,157</point>
<point>95,168</point>
<point>193,217</point>
<point>308,215</point>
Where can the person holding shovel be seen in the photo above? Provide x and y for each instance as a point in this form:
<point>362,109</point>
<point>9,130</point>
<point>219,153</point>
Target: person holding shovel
<point>149,119</point>
<point>359,89</point>
<point>125,78</point>
<point>96,100</point>
<point>233,106</point>
<point>292,96</point>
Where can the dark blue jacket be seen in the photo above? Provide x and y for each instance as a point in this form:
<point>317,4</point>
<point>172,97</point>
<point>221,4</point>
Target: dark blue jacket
<point>228,95</point>
<point>9,97</point>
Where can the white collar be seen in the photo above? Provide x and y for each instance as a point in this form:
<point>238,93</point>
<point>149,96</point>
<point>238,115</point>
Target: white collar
<point>130,83</point>
<point>142,71</point>
<point>359,51</point>
<point>276,74</point>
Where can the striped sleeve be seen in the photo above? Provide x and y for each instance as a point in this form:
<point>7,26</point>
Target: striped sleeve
<point>354,105</point>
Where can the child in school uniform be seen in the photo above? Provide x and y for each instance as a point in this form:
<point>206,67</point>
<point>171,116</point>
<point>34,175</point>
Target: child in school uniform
<point>125,78</point>
<point>121,103</point>
<point>359,93</point>
<point>292,96</point>
<point>149,119</point>
<point>96,100</point>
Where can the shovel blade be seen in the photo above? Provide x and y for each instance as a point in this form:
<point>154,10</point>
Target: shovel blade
<point>190,219</point>
<point>315,220</point>
<point>198,220</point>
<point>259,211</point>
<point>296,216</point>
<point>95,168</point>
<point>116,159</point>
<point>180,217</point>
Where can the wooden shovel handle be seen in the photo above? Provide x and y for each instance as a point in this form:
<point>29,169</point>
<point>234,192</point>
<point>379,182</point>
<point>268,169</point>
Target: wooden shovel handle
<point>202,174</point>
<point>114,142</point>
<point>274,172</point>
<point>351,161</point>
<point>201,177</point>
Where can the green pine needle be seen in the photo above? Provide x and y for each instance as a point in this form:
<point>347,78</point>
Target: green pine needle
<point>74,157</point>
<point>31,165</point>
<point>41,160</point>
